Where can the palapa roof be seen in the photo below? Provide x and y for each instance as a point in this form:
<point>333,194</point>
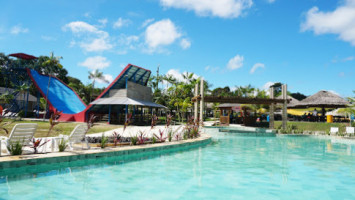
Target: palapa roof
<point>322,99</point>
<point>293,101</point>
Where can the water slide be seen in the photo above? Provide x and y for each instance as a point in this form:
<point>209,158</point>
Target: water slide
<point>60,96</point>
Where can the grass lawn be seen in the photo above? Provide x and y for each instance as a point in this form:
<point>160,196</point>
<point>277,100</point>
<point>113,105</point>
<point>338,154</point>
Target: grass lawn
<point>64,128</point>
<point>314,126</point>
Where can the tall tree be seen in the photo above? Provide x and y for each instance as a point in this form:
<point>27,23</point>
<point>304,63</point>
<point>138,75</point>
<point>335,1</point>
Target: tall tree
<point>96,75</point>
<point>51,63</point>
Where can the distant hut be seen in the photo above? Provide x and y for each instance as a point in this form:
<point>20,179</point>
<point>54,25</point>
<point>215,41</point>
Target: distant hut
<point>322,99</point>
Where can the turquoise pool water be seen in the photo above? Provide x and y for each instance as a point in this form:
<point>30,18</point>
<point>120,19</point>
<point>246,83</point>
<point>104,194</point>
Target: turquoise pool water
<point>231,167</point>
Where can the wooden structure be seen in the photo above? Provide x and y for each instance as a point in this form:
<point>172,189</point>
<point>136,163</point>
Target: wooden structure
<point>243,100</point>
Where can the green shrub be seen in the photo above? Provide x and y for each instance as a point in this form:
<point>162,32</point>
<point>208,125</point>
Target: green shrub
<point>186,134</point>
<point>15,148</point>
<point>134,140</point>
<point>154,140</point>
<point>62,145</point>
<point>103,141</point>
<point>170,135</point>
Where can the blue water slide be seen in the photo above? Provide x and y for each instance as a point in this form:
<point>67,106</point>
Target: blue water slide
<point>60,96</point>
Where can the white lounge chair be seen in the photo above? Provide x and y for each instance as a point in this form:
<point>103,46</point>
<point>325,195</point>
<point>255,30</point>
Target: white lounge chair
<point>77,136</point>
<point>334,130</point>
<point>22,133</point>
<point>349,130</point>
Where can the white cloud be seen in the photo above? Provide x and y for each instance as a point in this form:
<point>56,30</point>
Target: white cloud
<point>177,75</point>
<point>217,8</point>
<point>146,22</point>
<point>48,38</point>
<point>18,29</point>
<point>235,62</point>
<point>185,43</point>
<point>92,39</point>
<point>211,69</point>
<point>161,33</point>
<point>121,22</point>
<point>96,62</point>
<point>127,40</point>
<point>266,87</point>
<point>341,21</point>
<point>256,66</point>
<point>270,1</point>
<point>346,59</point>
<point>80,27</point>
<point>103,22</point>
<point>99,44</point>
<point>350,58</point>
<point>107,77</point>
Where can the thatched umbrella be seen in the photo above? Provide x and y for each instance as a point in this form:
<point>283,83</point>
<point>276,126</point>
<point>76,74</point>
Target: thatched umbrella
<point>322,99</point>
<point>292,103</point>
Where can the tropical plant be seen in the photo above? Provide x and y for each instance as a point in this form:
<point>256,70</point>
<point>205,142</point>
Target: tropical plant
<point>51,64</point>
<point>22,89</point>
<point>168,120</point>
<point>116,138</point>
<point>134,140</point>
<point>177,137</point>
<point>170,134</point>
<point>154,140</point>
<point>160,137</point>
<point>6,97</point>
<point>37,144</point>
<point>53,121</point>
<point>154,121</point>
<point>96,75</point>
<point>141,137</point>
<point>194,133</point>
<point>127,122</point>
<point>103,141</point>
<point>15,148</point>
<point>91,120</point>
<point>62,145</point>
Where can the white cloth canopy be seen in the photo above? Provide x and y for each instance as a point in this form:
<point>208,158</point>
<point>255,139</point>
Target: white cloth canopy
<point>125,101</point>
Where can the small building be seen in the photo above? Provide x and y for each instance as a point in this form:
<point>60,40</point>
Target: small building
<point>20,98</point>
<point>127,97</point>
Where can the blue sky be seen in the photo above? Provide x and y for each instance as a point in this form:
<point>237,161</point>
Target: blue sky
<point>308,44</point>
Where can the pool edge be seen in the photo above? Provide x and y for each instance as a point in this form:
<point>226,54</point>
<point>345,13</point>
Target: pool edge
<point>58,157</point>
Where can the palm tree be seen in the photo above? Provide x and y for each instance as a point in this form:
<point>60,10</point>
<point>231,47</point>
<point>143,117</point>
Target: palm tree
<point>96,75</point>
<point>22,89</point>
<point>51,63</point>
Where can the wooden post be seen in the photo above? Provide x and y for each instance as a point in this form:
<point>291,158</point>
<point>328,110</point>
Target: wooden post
<point>271,112</point>
<point>109,114</point>
<point>284,107</point>
<point>202,101</point>
<point>196,104</point>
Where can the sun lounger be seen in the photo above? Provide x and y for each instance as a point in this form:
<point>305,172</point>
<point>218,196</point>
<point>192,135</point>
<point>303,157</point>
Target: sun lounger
<point>77,136</point>
<point>334,130</point>
<point>22,133</point>
<point>350,130</point>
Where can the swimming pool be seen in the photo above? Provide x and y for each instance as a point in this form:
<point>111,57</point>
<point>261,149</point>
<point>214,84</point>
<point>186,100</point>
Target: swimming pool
<point>231,167</point>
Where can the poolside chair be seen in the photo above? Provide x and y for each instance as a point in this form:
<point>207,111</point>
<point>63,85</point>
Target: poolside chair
<point>349,130</point>
<point>77,136</point>
<point>22,133</point>
<point>334,130</point>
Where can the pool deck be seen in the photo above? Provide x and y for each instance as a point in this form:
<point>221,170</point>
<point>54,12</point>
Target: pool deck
<point>96,152</point>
